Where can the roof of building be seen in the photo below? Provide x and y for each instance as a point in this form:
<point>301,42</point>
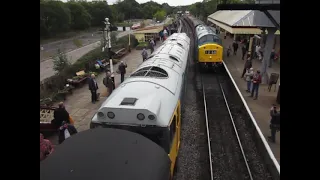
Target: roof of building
<point>247,18</point>
<point>154,29</point>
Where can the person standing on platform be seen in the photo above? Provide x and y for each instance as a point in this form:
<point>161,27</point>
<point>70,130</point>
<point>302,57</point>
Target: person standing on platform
<point>93,87</point>
<point>244,50</point>
<point>247,65</point>
<point>249,77</point>
<point>122,70</point>
<point>255,84</point>
<point>144,54</point>
<point>274,123</point>
<point>272,57</point>
<point>257,52</point>
<point>151,44</point>
<point>60,114</point>
<point>108,83</point>
<point>235,47</point>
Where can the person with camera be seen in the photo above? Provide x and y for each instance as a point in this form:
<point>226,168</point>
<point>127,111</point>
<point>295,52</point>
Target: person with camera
<point>256,80</point>
<point>274,123</point>
<point>122,70</point>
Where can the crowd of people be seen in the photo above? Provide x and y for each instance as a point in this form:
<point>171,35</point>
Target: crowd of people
<point>253,78</point>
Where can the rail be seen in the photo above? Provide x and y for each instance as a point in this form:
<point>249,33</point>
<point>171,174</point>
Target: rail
<point>264,141</point>
<point>233,125</point>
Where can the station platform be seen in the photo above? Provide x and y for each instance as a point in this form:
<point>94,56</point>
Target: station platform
<point>260,108</point>
<point>79,103</point>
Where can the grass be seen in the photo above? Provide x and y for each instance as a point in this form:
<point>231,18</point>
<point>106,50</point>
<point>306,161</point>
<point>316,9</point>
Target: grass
<point>124,24</point>
<point>77,42</point>
<point>66,35</point>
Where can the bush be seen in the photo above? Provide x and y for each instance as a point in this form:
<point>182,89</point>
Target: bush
<point>142,45</point>
<point>125,41</point>
<point>60,62</point>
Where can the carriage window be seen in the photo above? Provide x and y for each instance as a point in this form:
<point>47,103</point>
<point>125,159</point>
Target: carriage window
<point>173,128</point>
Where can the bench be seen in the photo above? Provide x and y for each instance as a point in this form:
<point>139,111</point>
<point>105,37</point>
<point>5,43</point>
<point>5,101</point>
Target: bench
<point>121,52</point>
<point>46,116</point>
<point>80,81</point>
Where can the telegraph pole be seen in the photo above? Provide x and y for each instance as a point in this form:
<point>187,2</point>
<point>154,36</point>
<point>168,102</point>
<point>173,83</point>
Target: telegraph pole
<point>107,39</point>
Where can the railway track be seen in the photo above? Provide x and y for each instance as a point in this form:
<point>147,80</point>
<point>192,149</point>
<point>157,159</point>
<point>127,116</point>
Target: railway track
<point>224,144</point>
<point>219,137</point>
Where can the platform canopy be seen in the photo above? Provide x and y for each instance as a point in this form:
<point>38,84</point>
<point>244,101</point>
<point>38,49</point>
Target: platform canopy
<point>243,21</point>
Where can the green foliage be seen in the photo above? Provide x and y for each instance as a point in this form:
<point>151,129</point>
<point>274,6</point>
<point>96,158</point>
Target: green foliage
<point>60,62</point>
<point>54,18</point>
<point>58,18</point>
<point>77,42</point>
<point>160,15</point>
<point>125,40</point>
<point>80,18</point>
<point>142,44</point>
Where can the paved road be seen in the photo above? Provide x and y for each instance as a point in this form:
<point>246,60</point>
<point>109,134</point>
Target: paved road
<point>47,65</point>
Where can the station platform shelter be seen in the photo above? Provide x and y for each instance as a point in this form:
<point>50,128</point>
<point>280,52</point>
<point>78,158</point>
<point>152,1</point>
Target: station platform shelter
<point>245,24</point>
<point>144,34</point>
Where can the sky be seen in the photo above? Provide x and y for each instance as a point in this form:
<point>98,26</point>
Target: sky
<point>170,2</point>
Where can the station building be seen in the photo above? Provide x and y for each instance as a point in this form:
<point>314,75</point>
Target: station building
<point>144,34</point>
<point>245,24</point>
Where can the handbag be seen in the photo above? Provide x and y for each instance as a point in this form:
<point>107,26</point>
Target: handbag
<point>71,120</point>
<point>66,133</point>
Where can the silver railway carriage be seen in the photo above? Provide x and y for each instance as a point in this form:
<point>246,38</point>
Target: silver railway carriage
<point>149,101</point>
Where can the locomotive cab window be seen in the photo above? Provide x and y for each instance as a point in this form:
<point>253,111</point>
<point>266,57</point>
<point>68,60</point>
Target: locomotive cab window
<point>209,39</point>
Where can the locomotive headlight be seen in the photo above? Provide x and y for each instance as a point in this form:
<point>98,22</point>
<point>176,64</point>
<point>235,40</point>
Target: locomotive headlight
<point>140,116</point>
<point>101,115</point>
<point>151,117</point>
<point>111,115</point>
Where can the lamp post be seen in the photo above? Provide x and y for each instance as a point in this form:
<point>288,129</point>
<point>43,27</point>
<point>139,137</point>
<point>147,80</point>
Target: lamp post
<point>107,39</point>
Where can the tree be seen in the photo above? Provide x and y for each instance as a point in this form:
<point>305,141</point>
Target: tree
<point>54,18</point>
<point>99,11</point>
<point>160,15</point>
<point>80,18</point>
<point>60,62</point>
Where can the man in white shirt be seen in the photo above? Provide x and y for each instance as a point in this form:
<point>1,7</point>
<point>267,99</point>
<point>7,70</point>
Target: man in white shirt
<point>258,55</point>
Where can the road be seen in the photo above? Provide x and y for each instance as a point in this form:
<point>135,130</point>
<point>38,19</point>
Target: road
<point>46,67</point>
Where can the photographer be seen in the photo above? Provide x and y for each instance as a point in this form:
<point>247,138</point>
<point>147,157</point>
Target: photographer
<point>274,123</point>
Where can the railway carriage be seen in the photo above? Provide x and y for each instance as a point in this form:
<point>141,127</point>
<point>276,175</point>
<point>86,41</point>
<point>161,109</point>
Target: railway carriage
<point>149,101</point>
<point>112,154</point>
<point>208,45</point>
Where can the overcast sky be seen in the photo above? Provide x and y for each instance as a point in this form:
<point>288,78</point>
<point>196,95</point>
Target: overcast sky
<point>170,2</point>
